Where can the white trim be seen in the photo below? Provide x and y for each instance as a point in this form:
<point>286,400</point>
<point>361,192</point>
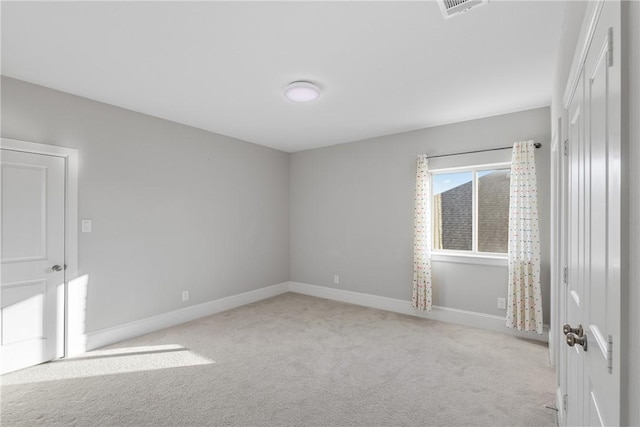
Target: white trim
<point>480,258</point>
<point>443,314</point>
<point>580,56</point>
<point>114,334</point>
<point>560,406</point>
<point>475,212</point>
<point>136,328</point>
<point>554,247</point>
<point>71,156</point>
<point>472,168</point>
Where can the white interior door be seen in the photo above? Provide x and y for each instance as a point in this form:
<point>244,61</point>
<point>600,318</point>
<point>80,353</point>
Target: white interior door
<point>32,253</point>
<point>576,253</point>
<point>593,221</point>
<point>601,312</point>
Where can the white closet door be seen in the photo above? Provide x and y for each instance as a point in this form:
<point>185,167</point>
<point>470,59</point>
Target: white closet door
<point>32,285</point>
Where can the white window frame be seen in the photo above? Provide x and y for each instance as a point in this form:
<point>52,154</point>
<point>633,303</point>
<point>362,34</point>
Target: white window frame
<point>472,256</point>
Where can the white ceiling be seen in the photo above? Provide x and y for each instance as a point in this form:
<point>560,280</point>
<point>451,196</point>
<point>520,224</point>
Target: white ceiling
<point>383,67</point>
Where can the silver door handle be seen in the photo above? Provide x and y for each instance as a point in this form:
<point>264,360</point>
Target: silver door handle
<point>567,329</point>
<point>573,340</point>
<point>56,268</point>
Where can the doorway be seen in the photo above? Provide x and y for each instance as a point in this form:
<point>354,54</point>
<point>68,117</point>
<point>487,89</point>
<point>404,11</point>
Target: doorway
<point>589,344</point>
<point>39,251</point>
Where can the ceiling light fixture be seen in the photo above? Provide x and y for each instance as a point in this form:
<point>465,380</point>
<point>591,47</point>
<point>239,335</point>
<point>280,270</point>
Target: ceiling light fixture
<point>302,91</point>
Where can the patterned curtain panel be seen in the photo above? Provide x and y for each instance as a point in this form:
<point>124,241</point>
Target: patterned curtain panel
<point>524,302</point>
<point>422,238</point>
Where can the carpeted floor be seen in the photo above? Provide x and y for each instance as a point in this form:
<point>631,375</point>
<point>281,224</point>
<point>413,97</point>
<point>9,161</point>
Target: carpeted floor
<point>293,360</point>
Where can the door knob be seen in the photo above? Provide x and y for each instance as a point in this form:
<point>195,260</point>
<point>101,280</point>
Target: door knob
<point>573,340</point>
<point>567,329</point>
<point>56,268</point>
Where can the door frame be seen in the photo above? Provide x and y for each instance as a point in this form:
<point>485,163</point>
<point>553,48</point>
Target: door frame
<point>71,158</point>
<point>587,31</point>
<point>555,247</point>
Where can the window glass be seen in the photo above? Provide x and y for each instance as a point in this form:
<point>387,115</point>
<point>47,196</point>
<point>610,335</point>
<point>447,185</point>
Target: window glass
<point>453,211</point>
<point>493,210</point>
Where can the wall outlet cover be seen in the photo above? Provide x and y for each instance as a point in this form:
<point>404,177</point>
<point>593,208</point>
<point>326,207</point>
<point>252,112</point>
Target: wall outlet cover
<point>86,226</point>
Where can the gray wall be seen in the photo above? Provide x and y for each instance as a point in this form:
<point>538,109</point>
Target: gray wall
<point>351,211</point>
<point>174,208</point>
<point>177,208</point>
<point>631,135</point>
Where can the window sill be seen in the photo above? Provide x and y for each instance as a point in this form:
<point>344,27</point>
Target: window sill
<point>479,259</point>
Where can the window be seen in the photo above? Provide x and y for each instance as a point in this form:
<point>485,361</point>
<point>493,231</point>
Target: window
<point>471,209</point>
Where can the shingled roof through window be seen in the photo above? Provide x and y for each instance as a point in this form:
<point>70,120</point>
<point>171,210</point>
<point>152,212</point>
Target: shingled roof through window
<point>493,214</point>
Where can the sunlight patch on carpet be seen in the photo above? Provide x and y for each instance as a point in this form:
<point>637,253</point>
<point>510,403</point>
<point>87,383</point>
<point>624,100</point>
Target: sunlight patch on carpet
<point>109,362</point>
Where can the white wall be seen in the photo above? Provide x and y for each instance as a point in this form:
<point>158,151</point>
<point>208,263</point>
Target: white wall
<point>173,207</point>
<point>352,211</point>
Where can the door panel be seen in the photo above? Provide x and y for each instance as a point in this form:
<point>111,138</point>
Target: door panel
<point>19,302</point>
<point>32,243</point>
<point>24,225</point>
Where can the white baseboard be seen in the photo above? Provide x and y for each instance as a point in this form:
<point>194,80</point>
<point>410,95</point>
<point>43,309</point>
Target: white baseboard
<point>107,336</point>
<point>125,331</point>
<point>443,314</point>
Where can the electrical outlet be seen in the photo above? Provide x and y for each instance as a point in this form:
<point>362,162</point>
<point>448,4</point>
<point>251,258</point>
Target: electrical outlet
<point>185,295</point>
<point>336,280</point>
<point>502,303</point>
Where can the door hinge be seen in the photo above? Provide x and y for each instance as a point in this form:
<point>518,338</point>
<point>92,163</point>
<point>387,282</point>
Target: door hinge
<point>610,48</point>
<point>565,275</point>
<point>565,402</point>
<point>566,147</point>
<point>610,353</point>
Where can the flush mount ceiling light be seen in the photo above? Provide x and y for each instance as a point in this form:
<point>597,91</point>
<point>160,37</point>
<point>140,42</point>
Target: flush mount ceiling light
<point>301,91</point>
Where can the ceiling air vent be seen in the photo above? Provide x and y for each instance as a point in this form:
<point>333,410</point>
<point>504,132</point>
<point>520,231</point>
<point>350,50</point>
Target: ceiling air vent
<point>451,8</point>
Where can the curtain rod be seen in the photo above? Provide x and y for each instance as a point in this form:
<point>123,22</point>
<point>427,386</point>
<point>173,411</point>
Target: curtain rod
<point>537,145</point>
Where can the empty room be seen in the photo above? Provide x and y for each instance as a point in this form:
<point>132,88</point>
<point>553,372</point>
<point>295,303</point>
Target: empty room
<point>320,213</point>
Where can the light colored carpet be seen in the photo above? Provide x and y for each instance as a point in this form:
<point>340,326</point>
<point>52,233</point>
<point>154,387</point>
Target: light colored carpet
<point>293,360</point>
